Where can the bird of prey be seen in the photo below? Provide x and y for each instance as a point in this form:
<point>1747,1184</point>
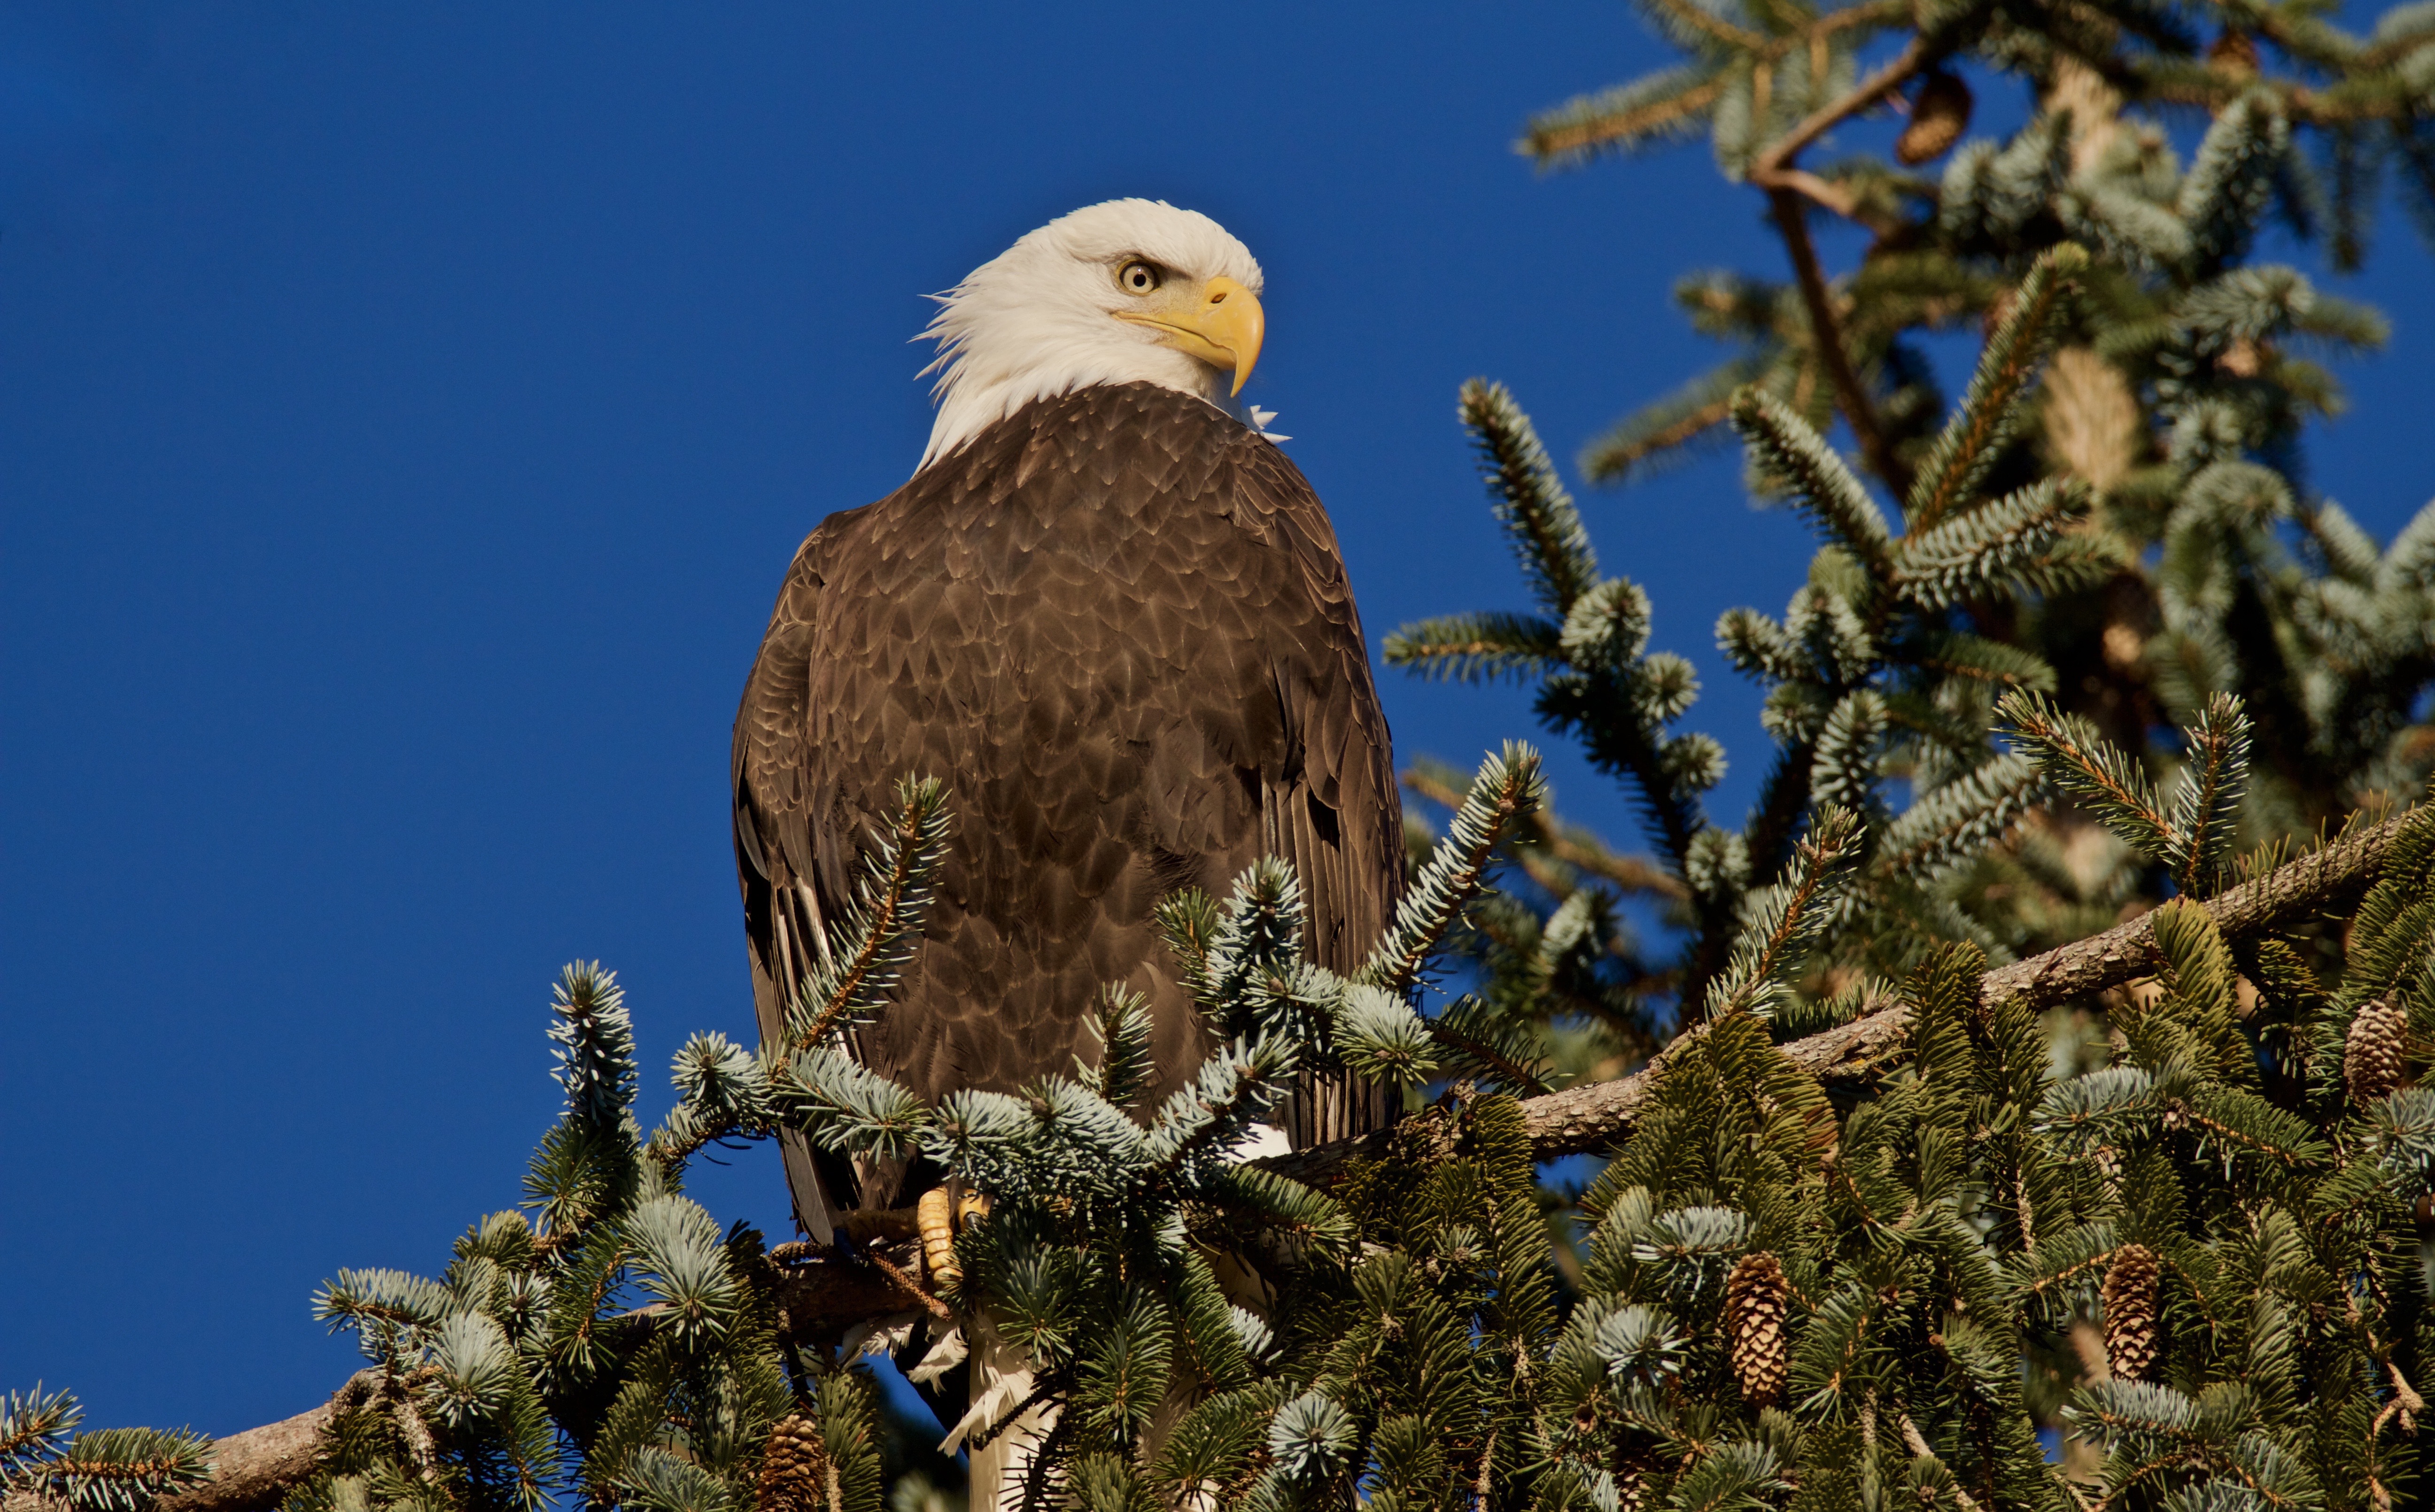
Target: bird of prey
<point>1111,616</point>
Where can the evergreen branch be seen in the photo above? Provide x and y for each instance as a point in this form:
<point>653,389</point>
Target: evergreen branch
<point>1600,1114</point>
<point>1775,818</point>
<point>1548,537</point>
<point>2092,769</point>
<point>1692,24</point>
<point>843,1105</point>
<point>2207,805</point>
<point>1661,108</point>
<point>1376,1033</point>
<point>1188,922</point>
<point>594,1035</point>
<point>1541,830</point>
<point>1509,785</point>
<point>1787,919</point>
<point>1771,171</point>
<point>33,1429</point>
<point>723,1091</point>
<point>1476,647</point>
<point>382,1299</point>
<point>1998,548</point>
<point>1664,428</point>
<point>1448,1030</point>
<point>684,1265</point>
<point>124,1469</point>
<point>1952,823</point>
<point>884,926</point>
<point>1983,660</point>
<point>1916,56</point>
<point>1826,336</point>
<point>1255,947</point>
<point>1121,1022</point>
<point>2230,177</point>
<point>253,1471</point>
<point>1783,446</point>
<point>1991,406</point>
<point>1235,1087</point>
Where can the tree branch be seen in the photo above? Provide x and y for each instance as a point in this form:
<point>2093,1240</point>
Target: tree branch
<point>1780,153</point>
<point>823,1292</point>
<point>1601,1113</point>
<point>1785,185</point>
<point>253,1470</point>
<point>1826,335</point>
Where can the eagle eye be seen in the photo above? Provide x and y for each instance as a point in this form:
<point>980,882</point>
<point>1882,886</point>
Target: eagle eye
<point>1138,277</point>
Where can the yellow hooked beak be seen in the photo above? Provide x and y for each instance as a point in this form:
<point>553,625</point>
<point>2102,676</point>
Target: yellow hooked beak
<point>1222,326</point>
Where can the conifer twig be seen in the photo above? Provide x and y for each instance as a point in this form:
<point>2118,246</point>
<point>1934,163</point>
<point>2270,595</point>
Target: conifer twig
<point>1540,830</point>
<point>1896,72</point>
<point>1826,335</point>
<point>1772,171</point>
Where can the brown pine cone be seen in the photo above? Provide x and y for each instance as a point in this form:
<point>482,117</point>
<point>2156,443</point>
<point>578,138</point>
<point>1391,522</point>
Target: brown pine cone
<point>2374,1056</point>
<point>2130,1300</point>
<point>1632,1490</point>
<point>1755,1294</point>
<point>2233,53</point>
<point>794,1468</point>
<point>1938,118</point>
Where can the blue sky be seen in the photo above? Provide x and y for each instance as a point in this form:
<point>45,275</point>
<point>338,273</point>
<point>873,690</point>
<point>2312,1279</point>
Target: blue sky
<point>406,414</point>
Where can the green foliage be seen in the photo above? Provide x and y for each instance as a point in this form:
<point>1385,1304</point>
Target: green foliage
<point>108,1470</point>
<point>619,1346</point>
<point>2106,550</point>
<point>2112,519</point>
<point>1869,679</point>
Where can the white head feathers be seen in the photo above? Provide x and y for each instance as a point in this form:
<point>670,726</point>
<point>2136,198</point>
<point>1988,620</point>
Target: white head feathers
<point>1044,317</point>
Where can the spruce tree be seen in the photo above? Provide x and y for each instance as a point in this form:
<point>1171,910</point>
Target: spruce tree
<point>2027,1101</point>
<point>2114,514</point>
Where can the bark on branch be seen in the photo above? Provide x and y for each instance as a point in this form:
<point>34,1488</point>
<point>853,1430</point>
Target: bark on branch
<point>1600,1113</point>
<point>252,1470</point>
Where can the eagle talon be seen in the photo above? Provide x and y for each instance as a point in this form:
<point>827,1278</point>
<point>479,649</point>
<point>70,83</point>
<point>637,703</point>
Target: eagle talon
<point>942,1214</point>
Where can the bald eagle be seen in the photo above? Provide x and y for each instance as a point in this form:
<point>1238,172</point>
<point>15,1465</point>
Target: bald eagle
<point>1112,617</point>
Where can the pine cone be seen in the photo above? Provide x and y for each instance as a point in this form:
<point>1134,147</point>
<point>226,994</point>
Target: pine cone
<point>2372,1056</point>
<point>794,1468</point>
<point>1938,118</point>
<point>2093,425</point>
<point>1632,1490</point>
<point>2233,53</point>
<point>1755,1305</point>
<point>2130,1300</point>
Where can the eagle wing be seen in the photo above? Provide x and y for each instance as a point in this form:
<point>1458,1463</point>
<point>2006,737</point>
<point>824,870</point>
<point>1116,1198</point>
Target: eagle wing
<point>1117,625</point>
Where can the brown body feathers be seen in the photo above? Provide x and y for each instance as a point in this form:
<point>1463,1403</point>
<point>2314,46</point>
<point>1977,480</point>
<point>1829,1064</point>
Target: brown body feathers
<point>1117,626</point>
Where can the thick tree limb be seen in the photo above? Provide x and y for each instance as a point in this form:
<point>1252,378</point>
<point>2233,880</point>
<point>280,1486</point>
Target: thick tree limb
<point>254,1470</point>
<point>1600,1113</point>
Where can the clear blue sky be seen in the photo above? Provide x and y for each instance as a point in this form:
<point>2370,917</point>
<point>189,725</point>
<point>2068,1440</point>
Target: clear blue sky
<point>406,414</point>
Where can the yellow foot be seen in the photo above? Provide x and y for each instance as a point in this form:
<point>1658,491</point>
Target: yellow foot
<point>941,1215</point>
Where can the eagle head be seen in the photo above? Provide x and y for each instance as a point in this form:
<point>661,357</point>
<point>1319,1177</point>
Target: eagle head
<point>1128,291</point>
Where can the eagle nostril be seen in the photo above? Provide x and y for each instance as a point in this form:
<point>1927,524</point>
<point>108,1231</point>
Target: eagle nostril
<point>1219,297</point>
